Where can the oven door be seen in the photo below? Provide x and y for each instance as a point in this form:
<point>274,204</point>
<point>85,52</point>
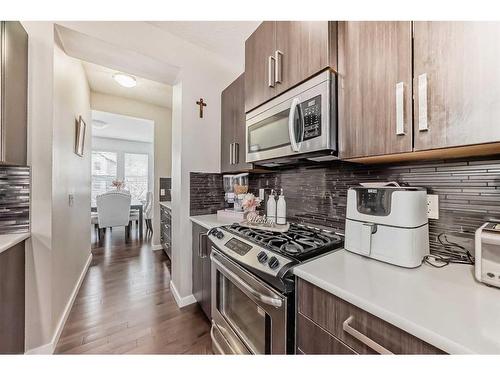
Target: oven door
<point>249,317</point>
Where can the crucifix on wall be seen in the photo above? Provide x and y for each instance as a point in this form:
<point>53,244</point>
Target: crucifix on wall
<point>201,104</point>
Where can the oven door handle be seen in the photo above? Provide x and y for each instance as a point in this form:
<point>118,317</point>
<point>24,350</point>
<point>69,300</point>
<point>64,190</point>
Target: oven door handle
<point>262,298</point>
<point>291,124</point>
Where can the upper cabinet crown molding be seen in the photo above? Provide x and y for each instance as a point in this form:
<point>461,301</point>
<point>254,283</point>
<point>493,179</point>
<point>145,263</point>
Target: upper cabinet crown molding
<point>281,54</point>
<point>14,93</point>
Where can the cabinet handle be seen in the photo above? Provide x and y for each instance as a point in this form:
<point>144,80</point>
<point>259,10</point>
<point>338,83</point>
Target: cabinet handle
<point>364,339</point>
<point>201,253</point>
<point>400,108</point>
<point>422,103</point>
<point>271,79</point>
<point>231,154</point>
<point>278,66</point>
<point>236,153</point>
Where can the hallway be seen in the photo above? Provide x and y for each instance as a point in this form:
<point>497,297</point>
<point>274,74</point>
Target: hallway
<point>125,306</point>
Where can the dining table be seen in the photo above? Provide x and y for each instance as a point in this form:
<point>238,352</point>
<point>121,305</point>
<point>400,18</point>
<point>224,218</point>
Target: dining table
<point>134,205</point>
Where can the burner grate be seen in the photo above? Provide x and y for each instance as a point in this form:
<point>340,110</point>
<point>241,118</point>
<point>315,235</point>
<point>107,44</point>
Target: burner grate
<point>299,241</point>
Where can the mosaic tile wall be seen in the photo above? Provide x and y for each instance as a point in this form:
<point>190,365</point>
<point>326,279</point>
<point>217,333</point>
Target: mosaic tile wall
<point>469,191</point>
<point>14,199</point>
<point>206,193</point>
<point>165,183</point>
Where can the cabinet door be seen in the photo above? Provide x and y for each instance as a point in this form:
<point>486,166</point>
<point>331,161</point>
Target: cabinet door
<point>14,96</point>
<point>227,129</point>
<point>258,48</point>
<point>12,300</point>
<point>197,270</point>
<point>240,135</point>
<point>460,95</point>
<point>373,58</point>
<point>305,51</point>
<point>206,303</point>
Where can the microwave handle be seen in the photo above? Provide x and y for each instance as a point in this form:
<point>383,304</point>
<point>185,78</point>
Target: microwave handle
<point>291,125</point>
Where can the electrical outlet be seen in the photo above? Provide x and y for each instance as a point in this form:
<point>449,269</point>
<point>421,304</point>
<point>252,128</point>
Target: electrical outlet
<point>162,192</point>
<point>433,206</point>
<point>261,194</point>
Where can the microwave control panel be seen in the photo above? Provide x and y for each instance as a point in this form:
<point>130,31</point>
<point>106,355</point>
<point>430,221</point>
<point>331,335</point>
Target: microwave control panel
<point>311,110</point>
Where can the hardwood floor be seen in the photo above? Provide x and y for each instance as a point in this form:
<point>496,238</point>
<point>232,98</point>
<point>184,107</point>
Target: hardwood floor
<point>125,306</point>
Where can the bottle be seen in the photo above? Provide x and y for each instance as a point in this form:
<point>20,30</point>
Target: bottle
<point>271,208</point>
<point>281,210</point>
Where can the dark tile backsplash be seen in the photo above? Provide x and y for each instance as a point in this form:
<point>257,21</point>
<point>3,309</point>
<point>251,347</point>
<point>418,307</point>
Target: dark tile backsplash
<point>14,199</point>
<point>469,191</point>
<point>165,183</point>
<point>206,193</point>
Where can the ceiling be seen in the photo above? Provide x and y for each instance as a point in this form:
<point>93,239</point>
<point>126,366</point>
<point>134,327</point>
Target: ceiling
<point>101,80</point>
<point>224,38</point>
<point>122,127</point>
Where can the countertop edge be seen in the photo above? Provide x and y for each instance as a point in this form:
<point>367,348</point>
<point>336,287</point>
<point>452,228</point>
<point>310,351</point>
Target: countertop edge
<point>204,224</point>
<point>420,332</point>
<point>166,204</point>
<point>9,240</point>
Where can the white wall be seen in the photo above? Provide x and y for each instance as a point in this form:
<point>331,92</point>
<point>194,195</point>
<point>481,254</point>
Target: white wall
<point>38,248</point>
<point>58,247</point>
<point>70,175</point>
<point>121,146</point>
<point>162,118</point>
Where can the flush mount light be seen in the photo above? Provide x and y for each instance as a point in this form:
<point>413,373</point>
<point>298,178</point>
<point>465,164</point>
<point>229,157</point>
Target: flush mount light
<point>99,124</point>
<point>125,80</point>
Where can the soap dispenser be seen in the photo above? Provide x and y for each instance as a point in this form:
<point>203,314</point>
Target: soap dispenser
<point>271,208</point>
<point>281,209</point>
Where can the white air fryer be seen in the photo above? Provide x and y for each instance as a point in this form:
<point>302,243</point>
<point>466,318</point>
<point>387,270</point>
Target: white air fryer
<point>388,224</point>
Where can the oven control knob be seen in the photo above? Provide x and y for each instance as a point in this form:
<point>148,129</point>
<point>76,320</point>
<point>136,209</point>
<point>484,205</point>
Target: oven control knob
<point>262,257</point>
<point>273,263</point>
<point>219,234</point>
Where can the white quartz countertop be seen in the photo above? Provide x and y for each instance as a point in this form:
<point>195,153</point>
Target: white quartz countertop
<point>445,307</point>
<point>9,240</point>
<point>167,204</point>
<point>210,221</point>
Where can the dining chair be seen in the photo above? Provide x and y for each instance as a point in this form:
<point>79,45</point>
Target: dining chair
<point>113,210</point>
<point>148,211</point>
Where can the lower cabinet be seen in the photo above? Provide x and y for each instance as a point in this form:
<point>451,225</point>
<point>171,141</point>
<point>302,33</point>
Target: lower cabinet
<point>327,324</point>
<point>12,300</point>
<point>202,280</point>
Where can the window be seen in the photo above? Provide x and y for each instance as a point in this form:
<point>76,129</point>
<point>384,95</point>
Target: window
<point>136,175</point>
<point>104,168</point>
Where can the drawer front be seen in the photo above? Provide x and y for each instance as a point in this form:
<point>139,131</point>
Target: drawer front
<point>332,313</point>
<point>312,339</point>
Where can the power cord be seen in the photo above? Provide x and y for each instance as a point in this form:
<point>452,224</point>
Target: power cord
<point>451,252</point>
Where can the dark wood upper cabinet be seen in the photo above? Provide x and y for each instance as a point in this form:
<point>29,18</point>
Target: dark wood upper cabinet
<point>456,83</point>
<point>281,54</point>
<point>304,48</point>
<point>14,93</point>
<point>233,129</point>
<point>259,68</point>
<point>375,78</point>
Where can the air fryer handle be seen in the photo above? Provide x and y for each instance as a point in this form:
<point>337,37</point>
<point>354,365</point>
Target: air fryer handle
<point>367,230</point>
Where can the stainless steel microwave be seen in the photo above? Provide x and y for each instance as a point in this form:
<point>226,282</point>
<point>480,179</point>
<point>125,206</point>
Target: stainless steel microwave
<point>301,123</point>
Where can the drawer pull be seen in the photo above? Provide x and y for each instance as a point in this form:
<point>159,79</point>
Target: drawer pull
<point>364,339</point>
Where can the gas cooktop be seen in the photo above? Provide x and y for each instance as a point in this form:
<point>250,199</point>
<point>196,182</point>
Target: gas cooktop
<point>300,242</point>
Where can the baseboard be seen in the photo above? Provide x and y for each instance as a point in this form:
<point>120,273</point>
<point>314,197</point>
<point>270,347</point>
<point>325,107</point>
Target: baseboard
<point>51,346</point>
<point>157,247</point>
<point>181,301</point>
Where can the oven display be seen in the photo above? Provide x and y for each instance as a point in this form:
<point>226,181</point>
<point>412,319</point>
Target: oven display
<point>238,246</point>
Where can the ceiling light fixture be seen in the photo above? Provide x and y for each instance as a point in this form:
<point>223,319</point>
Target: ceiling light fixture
<point>125,80</point>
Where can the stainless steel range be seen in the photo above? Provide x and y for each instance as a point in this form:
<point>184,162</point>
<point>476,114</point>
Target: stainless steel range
<point>253,285</point>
